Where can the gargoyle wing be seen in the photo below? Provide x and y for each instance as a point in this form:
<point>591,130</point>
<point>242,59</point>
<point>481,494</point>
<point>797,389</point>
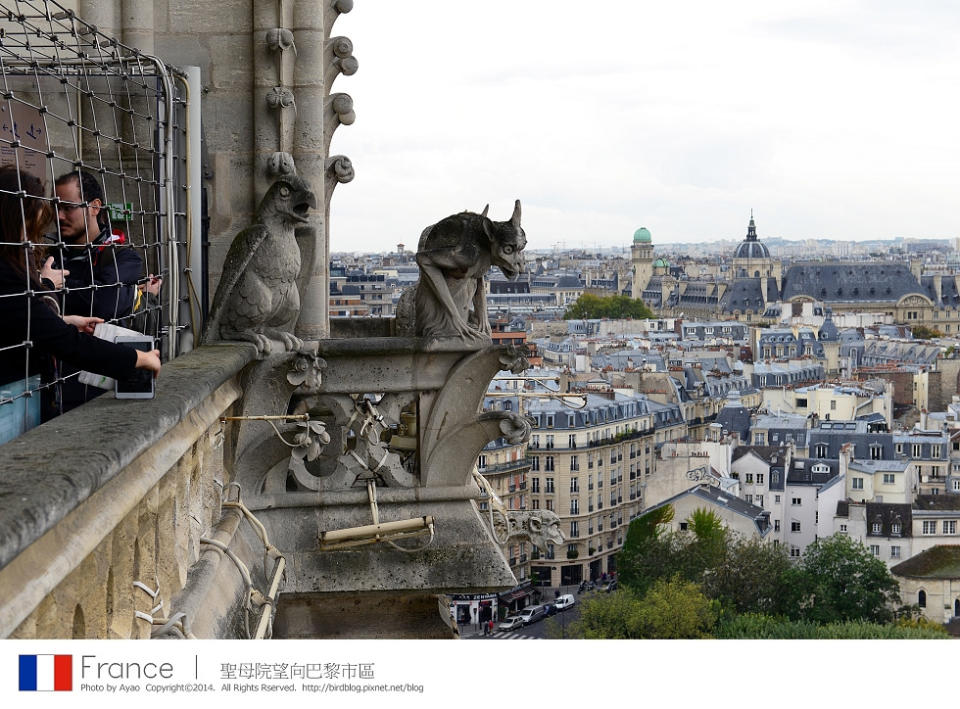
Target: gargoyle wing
<point>241,253</point>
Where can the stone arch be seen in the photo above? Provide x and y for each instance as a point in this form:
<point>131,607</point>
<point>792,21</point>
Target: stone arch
<point>922,598</point>
<point>79,625</point>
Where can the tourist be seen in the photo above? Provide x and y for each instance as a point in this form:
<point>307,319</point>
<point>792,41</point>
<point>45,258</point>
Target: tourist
<point>34,337</point>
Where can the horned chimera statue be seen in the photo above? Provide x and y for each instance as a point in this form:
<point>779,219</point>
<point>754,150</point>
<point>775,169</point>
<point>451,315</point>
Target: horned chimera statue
<point>454,254</point>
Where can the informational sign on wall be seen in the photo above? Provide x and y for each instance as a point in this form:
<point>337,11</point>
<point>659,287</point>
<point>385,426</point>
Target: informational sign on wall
<point>23,138</point>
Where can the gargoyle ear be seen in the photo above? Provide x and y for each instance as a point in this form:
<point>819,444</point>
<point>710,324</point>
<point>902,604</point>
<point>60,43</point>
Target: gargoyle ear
<point>487,224</point>
<point>515,219</point>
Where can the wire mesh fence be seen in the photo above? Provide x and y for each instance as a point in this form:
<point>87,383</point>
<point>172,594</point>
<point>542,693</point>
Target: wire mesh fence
<point>93,144</point>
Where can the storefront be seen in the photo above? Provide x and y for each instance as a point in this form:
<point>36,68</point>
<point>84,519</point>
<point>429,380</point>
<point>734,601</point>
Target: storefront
<point>471,609</point>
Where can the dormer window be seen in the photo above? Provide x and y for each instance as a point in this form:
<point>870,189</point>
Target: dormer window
<point>895,529</point>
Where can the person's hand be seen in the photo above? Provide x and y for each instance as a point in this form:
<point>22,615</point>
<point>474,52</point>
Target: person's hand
<point>152,286</point>
<point>149,361</point>
<point>54,275</point>
<point>83,323</point>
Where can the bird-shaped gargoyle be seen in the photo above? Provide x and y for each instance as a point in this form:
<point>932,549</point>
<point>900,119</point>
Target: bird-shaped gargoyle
<point>257,298</point>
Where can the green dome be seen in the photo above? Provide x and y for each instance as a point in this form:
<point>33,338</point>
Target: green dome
<point>641,236</point>
<point>661,263</point>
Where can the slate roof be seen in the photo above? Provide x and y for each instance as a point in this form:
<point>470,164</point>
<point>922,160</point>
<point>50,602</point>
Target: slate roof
<point>887,514</point>
<point>867,282</point>
<point>936,502</point>
<point>747,294</point>
<point>939,562</point>
<point>716,496</point>
<point>769,454</point>
<point>736,419</point>
<point>801,472</point>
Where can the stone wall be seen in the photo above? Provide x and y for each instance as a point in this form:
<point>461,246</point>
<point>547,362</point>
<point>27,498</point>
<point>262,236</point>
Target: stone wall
<point>113,493</point>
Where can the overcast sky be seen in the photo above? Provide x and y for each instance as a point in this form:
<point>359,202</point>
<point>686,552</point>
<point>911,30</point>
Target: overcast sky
<point>830,119</point>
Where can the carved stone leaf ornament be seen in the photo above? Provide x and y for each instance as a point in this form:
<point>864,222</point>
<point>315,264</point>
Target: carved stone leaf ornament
<point>310,440</point>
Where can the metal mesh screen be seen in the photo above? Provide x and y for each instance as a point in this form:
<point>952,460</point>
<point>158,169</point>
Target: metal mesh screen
<point>73,99</point>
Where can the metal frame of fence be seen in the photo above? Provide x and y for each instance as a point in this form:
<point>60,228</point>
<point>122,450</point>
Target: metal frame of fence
<point>72,99</point>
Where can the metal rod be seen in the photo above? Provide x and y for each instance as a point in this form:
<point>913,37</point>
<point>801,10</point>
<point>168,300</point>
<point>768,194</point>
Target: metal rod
<point>281,417</point>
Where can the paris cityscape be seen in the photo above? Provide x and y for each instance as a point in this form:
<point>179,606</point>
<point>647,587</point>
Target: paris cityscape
<point>390,323</point>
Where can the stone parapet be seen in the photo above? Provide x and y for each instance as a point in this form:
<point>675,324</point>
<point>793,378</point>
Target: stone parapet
<point>114,492</point>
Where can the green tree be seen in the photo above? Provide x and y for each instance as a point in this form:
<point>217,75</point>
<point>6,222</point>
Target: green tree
<point>671,608</point>
<point>751,578</point>
<point>674,609</point>
<point>838,580</point>
<point>589,306</point>
<point>922,332</point>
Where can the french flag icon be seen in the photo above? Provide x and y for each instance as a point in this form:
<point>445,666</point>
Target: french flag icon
<point>46,673</point>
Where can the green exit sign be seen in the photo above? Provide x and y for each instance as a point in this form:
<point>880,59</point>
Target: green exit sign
<point>120,211</point>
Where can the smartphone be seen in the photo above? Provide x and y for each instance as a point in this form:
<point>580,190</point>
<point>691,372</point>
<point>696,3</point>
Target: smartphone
<point>140,385</point>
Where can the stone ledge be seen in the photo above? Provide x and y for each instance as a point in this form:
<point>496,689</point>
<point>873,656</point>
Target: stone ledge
<point>49,471</point>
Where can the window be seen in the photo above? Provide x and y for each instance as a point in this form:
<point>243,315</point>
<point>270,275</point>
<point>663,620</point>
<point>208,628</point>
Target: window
<point>535,463</point>
<point>935,450</point>
<point>572,551</point>
<point>876,451</point>
<point>894,552</point>
<point>794,526</point>
<point>843,528</point>
<point>574,529</point>
<point>796,501</point>
<point>549,486</point>
<point>749,498</point>
<point>856,483</point>
<point>534,484</point>
<point>549,441</point>
<point>574,507</point>
<point>776,499</point>
<point>748,478</point>
<point>574,485</point>
<point>930,527</point>
<point>758,500</point>
<point>550,505</point>
<point>776,525</point>
<point>888,478</point>
<point>548,464</point>
<point>758,439</point>
<point>794,552</point>
<point>759,478</point>
<point>574,463</point>
<point>571,441</point>
<point>683,526</point>
<point>482,462</point>
<point>915,450</point>
<point>536,504</point>
<point>821,450</point>
<point>922,599</point>
<point>875,549</point>
<point>949,526</point>
<point>876,528</point>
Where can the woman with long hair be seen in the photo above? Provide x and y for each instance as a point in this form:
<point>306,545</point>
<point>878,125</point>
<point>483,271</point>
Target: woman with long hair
<point>33,335</point>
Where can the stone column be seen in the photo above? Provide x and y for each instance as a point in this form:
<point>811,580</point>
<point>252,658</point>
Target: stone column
<point>137,20</point>
<point>105,14</point>
<point>310,158</point>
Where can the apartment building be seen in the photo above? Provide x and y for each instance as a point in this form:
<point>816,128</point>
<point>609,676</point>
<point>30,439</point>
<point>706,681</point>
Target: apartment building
<point>588,458</point>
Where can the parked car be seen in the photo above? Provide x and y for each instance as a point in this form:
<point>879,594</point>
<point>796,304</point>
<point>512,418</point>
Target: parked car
<point>532,614</point>
<point>511,623</point>
<point>564,602</point>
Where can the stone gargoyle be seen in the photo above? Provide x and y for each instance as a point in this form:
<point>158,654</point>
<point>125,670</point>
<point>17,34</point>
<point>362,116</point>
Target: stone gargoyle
<point>454,254</point>
<point>257,298</point>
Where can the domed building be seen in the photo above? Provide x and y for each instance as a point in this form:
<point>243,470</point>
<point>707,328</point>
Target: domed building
<point>751,259</point>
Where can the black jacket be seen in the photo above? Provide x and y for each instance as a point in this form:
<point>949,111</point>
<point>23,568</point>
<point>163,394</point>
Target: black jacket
<point>33,338</point>
<point>103,277</point>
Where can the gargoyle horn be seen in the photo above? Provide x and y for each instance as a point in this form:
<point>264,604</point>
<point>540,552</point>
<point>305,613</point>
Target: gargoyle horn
<point>515,219</point>
<point>485,210</point>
